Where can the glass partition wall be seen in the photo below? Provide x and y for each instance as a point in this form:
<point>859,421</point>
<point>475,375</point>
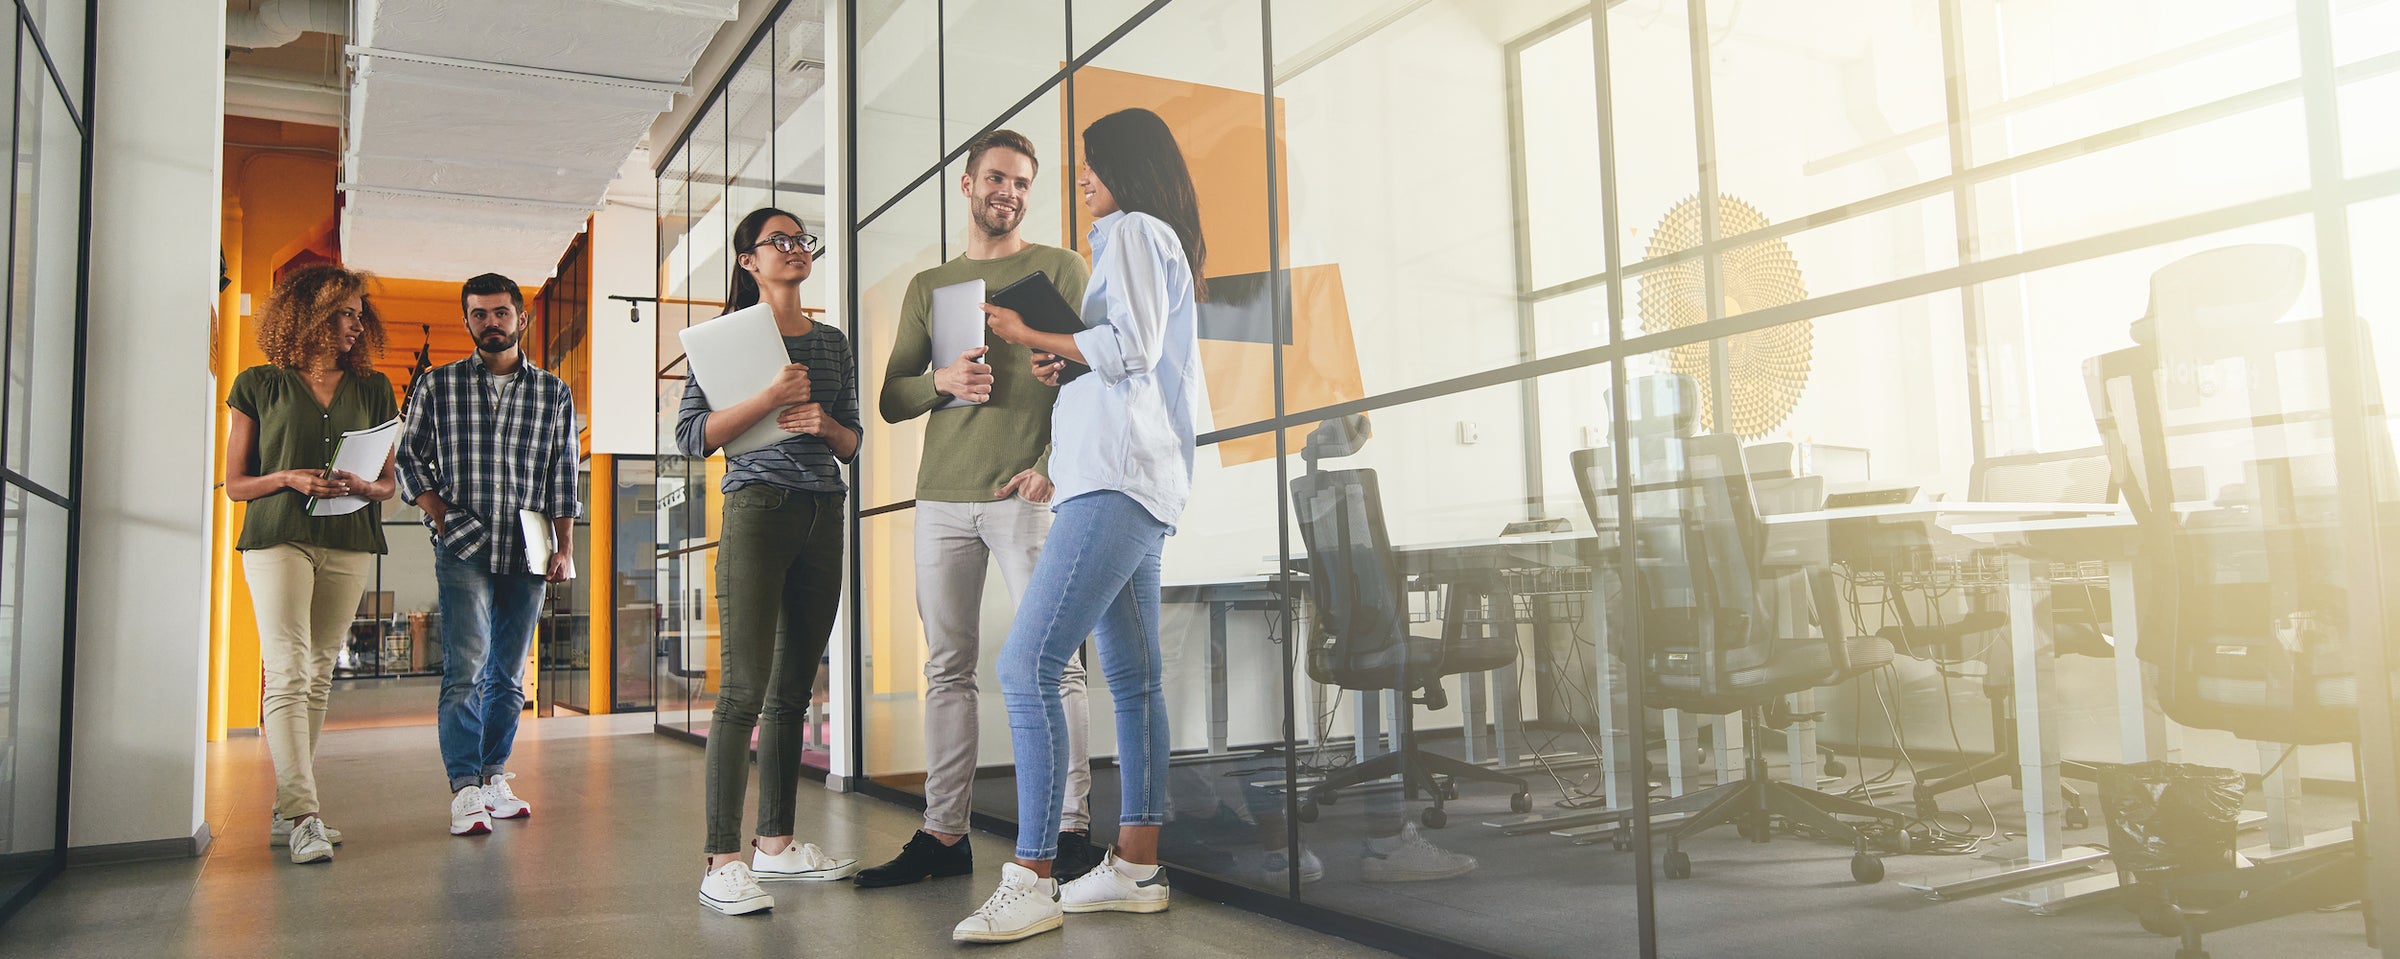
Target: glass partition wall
<point>41,435</point>
<point>1822,452</point>
<point>758,141</point>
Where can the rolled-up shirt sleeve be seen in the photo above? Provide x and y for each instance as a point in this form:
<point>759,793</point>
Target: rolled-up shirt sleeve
<point>565,455</point>
<point>1126,342</point>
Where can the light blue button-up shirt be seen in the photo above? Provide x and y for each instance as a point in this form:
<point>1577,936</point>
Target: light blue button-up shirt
<point>1128,425</point>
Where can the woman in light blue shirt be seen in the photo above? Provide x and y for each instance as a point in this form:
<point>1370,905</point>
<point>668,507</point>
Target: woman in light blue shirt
<point>1121,463</point>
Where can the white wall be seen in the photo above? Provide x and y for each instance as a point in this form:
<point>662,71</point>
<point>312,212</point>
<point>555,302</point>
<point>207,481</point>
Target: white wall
<point>142,607</point>
<point>624,353</point>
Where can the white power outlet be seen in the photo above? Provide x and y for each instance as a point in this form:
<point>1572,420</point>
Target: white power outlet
<point>1594,437</point>
<point>1466,433</point>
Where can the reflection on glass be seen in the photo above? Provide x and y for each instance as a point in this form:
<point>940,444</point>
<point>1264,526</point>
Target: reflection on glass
<point>32,657</point>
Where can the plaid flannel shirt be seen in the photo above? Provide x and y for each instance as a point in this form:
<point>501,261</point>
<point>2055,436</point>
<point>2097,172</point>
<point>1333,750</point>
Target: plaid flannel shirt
<point>489,456</point>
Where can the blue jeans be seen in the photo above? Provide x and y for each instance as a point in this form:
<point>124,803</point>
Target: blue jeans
<point>487,625</point>
<point>1098,576</point>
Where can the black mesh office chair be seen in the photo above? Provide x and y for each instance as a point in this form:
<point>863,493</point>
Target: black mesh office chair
<point>1359,635</point>
<point>2242,593</point>
<point>1714,637</point>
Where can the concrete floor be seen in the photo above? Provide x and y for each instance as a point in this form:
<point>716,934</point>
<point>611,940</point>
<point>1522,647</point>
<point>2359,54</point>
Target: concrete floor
<point>607,866</point>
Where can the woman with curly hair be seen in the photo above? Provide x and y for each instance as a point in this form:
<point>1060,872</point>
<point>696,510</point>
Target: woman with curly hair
<point>306,572</point>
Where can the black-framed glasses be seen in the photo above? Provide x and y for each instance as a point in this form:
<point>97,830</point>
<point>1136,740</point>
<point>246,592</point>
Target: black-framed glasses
<point>786,243</point>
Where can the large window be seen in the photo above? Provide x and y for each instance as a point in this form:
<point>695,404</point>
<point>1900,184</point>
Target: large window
<point>40,436</point>
<point>1784,260</point>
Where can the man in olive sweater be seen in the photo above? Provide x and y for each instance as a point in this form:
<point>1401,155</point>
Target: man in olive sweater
<point>983,492</point>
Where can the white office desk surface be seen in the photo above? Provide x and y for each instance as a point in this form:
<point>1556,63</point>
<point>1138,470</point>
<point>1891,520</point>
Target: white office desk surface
<point>1898,511</point>
<point>2026,516</point>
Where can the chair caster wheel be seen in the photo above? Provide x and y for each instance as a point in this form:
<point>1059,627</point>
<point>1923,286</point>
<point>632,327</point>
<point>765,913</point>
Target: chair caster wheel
<point>1866,868</point>
<point>1621,842</point>
<point>2077,818</point>
<point>1308,811</point>
<point>1329,798</point>
<point>1678,865</point>
<point>1836,769</point>
<point>1434,818</point>
<point>1521,802</point>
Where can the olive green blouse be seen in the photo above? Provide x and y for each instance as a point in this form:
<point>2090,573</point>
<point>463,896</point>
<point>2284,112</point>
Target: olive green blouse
<point>295,432</point>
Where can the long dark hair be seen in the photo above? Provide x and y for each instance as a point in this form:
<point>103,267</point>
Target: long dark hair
<point>742,290</point>
<point>1135,156</point>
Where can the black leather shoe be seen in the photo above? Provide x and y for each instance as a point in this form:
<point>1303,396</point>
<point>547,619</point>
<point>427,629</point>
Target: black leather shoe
<point>1076,856</point>
<point>925,857</point>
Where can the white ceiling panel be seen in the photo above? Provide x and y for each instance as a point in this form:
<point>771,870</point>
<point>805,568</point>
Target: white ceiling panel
<point>491,163</point>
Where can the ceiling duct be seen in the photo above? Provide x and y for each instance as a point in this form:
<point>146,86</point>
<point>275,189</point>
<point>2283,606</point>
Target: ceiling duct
<point>482,134</point>
<point>277,22</point>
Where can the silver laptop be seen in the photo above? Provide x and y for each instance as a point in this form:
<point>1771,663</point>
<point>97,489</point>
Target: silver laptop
<point>958,326</point>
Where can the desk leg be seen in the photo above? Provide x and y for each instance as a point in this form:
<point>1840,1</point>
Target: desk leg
<point>2141,727</point>
<point>1731,746</point>
<point>1683,751</point>
<point>1219,707</point>
<point>2037,701</point>
<point>1620,761</point>
<point>2286,829</point>
<point>1800,739</point>
<point>1368,724</point>
<point>1474,688</point>
<point>1508,715</point>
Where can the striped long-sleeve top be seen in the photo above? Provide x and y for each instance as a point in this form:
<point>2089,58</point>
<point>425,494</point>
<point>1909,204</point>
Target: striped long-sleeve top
<point>802,462</point>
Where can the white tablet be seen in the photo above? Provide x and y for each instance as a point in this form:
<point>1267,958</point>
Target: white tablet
<point>958,326</point>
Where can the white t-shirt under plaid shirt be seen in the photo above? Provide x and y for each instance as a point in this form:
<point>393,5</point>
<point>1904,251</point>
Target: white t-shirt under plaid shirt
<point>489,448</point>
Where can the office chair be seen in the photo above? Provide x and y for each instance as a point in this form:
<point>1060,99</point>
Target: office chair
<point>2242,600</point>
<point>1359,634</point>
<point>1714,637</point>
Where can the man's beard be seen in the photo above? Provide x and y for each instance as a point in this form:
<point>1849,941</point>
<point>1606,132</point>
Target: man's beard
<point>992,224</point>
<point>484,342</point>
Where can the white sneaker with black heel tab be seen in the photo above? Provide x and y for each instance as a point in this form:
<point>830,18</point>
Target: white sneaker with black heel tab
<point>733,889</point>
<point>800,862</point>
<point>1116,886</point>
<point>1024,906</point>
<point>468,816</point>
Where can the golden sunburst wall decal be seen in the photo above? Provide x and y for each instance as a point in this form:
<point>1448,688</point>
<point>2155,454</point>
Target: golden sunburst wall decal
<point>1767,368</point>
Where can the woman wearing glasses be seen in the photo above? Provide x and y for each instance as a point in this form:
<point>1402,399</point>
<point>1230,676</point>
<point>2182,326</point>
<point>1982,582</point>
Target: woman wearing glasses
<point>779,564</point>
<point>1121,463</point>
<point>306,565</point>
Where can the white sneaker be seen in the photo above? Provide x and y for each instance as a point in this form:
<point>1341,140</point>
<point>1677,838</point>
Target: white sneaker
<point>280,834</point>
<point>468,815</point>
<point>1116,886</point>
<point>732,889</point>
<point>1025,905</point>
<point>309,843</point>
<point>1407,857</point>
<point>800,862</point>
<point>1277,867</point>
<point>501,801</point>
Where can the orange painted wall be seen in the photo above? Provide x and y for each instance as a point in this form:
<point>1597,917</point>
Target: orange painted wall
<point>1223,135</point>
<point>280,204</point>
